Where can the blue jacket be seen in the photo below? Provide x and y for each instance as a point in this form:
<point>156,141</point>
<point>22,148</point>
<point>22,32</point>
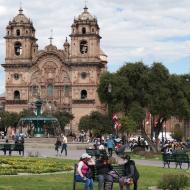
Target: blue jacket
<point>110,143</point>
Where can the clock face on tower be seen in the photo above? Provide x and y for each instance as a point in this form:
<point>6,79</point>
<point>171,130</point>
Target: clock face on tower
<point>83,46</point>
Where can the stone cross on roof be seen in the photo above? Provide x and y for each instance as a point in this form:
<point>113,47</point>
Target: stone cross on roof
<point>51,37</point>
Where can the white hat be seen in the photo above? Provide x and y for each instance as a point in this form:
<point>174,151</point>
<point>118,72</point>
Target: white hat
<point>85,155</point>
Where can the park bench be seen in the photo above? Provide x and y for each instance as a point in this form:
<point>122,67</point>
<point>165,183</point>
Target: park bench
<point>182,158</point>
<point>96,152</point>
<point>119,169</point>
<point>178,158</point>
<point>168,158</point>
<point>12,147</point>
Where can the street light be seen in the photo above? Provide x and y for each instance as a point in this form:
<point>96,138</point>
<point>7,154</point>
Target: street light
<point>109,112</point>
<point>109,87</point>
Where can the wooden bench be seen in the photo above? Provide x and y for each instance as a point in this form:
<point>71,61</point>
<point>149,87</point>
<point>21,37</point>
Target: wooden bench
<point>12,147</point>
<point>107,185</point>
<point>178,158</point>
<point>96,152</point>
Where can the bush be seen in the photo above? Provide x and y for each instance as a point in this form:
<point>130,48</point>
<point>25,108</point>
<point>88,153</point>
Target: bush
<point>173,182</point>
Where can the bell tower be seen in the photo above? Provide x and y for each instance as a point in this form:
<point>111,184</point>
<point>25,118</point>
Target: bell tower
<point>87,61</point>
<point>20,40</point>
<point>21,48</point>
<point>85,38</point>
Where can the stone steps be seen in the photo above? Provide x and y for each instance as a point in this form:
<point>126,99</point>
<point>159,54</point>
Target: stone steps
<point>48,143</point>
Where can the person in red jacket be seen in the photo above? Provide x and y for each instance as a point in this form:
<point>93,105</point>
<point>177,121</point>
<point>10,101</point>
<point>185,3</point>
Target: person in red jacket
<point>83,171</point>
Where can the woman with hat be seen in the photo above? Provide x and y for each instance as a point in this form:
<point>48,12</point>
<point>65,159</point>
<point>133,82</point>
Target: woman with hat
<point>83,171</point>
<point>131,174</point>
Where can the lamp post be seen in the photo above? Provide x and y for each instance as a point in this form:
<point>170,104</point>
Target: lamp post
<point>109,87</point>
<point>109,111</point>
<point>109,92</point>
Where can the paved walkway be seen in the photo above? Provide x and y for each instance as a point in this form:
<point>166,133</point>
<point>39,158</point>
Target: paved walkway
<point>74,152</point>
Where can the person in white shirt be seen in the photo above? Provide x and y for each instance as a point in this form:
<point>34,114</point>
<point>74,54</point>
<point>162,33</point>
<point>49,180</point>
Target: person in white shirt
<point>64,145</point>
<point>101,147</point>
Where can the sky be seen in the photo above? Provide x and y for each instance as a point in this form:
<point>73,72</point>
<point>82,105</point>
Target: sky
<point>131,30</point>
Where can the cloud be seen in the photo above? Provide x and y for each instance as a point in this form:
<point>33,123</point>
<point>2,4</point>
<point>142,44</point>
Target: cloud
<point>3,11</point>
<point>131,30</point>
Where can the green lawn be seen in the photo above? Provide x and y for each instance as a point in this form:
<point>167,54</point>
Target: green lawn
<point>149,176</point>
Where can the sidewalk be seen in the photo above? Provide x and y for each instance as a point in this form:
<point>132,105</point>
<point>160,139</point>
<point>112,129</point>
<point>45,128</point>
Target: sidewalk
<point>75,150</point>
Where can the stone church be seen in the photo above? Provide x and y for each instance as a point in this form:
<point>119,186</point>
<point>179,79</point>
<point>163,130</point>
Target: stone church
<point>65,79</point>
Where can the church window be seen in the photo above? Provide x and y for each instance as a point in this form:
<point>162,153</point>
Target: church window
<point>34,90</point>
<point>83,46</point>
<point>92,29</point>
<point>26,31</point>
<point>83,94</point>
<point>16,76</point>
<point>66,90</point>
<point>83,75</point>
<point>18,32</point>
<point>50,90</point>
<point>16,95</point>
<point>83,30</point>
<point>18,48</point>
<point>8,32</point>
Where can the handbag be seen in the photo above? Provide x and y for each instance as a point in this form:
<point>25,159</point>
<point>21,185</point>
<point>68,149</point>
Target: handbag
<point>114,174</point>
<point>126,181</point>
<point>89,173</point>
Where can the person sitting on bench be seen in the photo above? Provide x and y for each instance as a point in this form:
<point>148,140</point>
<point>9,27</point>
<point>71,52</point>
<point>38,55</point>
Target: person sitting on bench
<point>131,174</point>
<point>103,167</point>
<point>83,171</point>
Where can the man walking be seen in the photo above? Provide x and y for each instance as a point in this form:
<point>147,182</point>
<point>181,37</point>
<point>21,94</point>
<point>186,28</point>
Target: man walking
<point>64,145</point>
<point>110,145</point>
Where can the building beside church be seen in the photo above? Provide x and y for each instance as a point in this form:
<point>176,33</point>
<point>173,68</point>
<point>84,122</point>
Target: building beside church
<point>65,79</point>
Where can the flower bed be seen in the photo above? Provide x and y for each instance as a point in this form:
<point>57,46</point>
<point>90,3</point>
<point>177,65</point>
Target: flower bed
<point>10,165</point>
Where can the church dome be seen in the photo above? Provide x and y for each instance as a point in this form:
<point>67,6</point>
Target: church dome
<point>85,15</point>
<point>51,47</point>
<point>66,43</point>
<point>21,18</point>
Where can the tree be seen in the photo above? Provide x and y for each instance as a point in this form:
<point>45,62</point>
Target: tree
<point>177,133</point>
<point>26,113</point>
<point>8,119</point>
<point>128,125</point>
<point>97,123</point>
<point>137,89</point>
<point>85,123</point>
<point>63,117</point>
<point>121,92</point>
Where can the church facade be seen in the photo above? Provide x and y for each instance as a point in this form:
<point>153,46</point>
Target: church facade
<point>65,79</point>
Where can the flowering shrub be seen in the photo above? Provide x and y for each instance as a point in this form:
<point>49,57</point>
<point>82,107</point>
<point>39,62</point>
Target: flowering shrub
<point>174,182</point>
<point>13,165</point>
